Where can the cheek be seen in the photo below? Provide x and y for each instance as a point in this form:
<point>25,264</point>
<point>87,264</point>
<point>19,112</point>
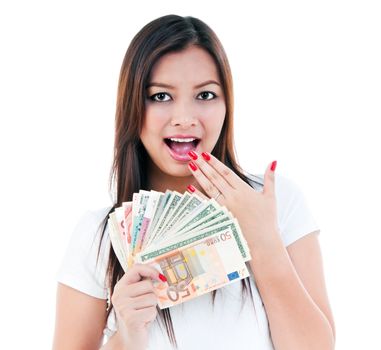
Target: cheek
<point>154,122</point>
<point>156,112</point>
<point>213,119</point>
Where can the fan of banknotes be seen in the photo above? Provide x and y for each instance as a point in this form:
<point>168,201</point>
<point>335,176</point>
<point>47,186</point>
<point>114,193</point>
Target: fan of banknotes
<point>195,243</point>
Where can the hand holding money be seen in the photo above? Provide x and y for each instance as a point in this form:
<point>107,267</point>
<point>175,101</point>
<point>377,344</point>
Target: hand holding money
<point>135,303</point>
<point>195,243</point>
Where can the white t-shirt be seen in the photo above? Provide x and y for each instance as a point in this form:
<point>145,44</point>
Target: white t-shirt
<point>197,323</point>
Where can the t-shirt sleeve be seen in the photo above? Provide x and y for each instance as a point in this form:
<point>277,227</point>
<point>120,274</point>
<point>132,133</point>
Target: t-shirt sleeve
<point>79,268</point>
<point>295,218</point>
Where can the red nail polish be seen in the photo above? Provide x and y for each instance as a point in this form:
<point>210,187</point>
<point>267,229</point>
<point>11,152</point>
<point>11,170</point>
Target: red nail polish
<point>193,166</point>
<point>162,277</point>
<point>191,188</point>
<point>206,156</point>
<point>192,155</point>
<point>273,165</point>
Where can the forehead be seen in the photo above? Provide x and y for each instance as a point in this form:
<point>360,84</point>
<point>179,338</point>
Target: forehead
<point>191,65</point>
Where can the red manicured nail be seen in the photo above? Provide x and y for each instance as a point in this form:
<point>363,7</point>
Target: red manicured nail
<point>191,188</point>
<point>192,155</point>
<point>273,165</point>
<point>206,156</point>
<point>193,166</point>
<point>162,277</point>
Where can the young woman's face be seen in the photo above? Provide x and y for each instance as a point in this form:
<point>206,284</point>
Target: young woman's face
<point>185,109</point>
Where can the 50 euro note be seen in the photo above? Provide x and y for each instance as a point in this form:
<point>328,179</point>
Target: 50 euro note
<point>195,268</point>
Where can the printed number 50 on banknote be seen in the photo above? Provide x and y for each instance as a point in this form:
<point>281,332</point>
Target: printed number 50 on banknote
<point>197,268</point>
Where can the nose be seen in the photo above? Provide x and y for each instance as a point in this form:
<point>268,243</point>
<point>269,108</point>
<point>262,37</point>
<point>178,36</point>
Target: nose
<point>184,116</point>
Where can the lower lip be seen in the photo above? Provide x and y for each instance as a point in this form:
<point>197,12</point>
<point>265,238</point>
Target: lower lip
<point>178,157</point>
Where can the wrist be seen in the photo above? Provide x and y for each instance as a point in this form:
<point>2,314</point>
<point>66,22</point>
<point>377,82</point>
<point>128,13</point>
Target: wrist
<point>120,341</point>
<point>265,243</point>
<point>114,342</point>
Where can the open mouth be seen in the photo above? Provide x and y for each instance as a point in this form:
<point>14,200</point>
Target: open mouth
<point>179,147</point>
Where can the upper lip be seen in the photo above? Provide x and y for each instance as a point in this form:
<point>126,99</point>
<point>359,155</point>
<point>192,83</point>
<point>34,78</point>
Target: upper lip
<point>182,136</point>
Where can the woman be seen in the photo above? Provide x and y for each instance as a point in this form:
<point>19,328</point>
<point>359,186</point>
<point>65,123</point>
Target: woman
<point>174,131</point>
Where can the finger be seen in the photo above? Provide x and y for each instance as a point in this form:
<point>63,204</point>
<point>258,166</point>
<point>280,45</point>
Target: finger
<point>144,301</point>
<point>229,175</point>
<point>140,271</point>
<point>211,174</point>
<point>146,315</point>
<point>140,288</point>
<point>194,190</point>
<point>209,188</point>
<point>269,179</point>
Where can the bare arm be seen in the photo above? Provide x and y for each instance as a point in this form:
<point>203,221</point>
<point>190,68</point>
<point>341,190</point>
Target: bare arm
<point>80,320</point>
<point>291,284</point>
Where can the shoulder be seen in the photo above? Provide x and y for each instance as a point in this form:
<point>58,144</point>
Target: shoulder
<point>89,223</point>
<point>295,219</point>
<point>94,216</point>
<point>84,264</point>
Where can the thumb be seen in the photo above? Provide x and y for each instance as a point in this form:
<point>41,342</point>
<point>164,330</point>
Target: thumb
<point>139,272</point>
<point>269,185</point>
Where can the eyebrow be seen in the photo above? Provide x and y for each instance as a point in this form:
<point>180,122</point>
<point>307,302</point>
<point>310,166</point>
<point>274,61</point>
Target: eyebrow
<point>172,87</point>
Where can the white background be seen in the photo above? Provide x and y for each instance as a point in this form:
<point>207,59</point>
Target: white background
<point>307,91</point>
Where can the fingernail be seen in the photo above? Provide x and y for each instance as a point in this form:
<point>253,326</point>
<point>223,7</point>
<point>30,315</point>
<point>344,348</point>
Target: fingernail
<point>273,165</point>
<point>193,166</point>
<point>162,277</point>
<point>206,156</point>
<point>191,188</point>
<point>192,155</point>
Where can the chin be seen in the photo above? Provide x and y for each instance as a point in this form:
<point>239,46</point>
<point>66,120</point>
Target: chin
<point>169,168</point>
<point>177,171</point>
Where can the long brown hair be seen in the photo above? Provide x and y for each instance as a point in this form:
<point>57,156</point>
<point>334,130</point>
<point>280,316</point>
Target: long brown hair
<point>129,171</point>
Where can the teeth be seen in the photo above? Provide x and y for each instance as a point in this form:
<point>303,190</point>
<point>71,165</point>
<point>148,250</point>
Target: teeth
<point>182,140</point>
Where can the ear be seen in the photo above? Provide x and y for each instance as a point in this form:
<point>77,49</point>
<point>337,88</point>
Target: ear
<point>269,185</point>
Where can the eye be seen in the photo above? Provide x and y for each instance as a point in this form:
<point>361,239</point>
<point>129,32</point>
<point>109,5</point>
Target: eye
<point>207,95</point>
<point>160,97</point>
